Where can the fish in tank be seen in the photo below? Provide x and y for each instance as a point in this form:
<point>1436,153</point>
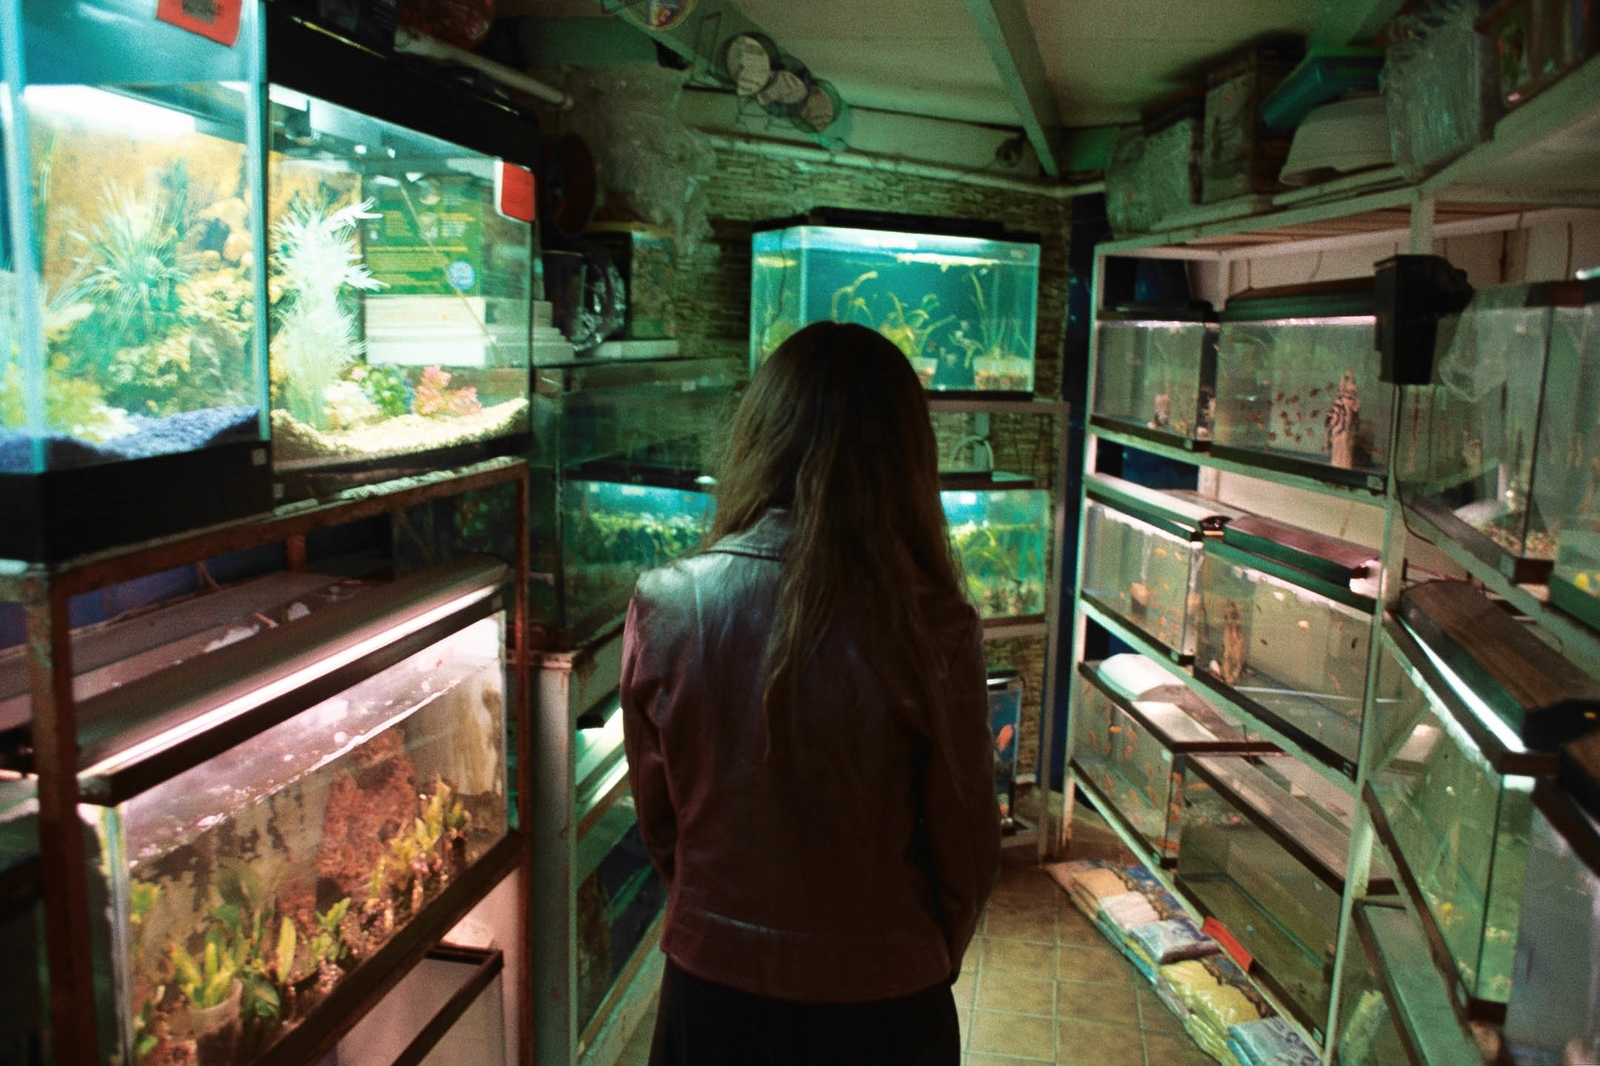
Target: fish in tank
<point>248,887</point>
<point>1001,539</point>
<point>399,291</point>
<point>962,309</point>
<point>139,335</point>
<point>1143,574</point>
<point>1153,373</point>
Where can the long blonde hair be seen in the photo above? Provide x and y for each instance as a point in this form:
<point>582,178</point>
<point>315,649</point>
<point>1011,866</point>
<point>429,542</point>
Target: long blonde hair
<point>835,427</point>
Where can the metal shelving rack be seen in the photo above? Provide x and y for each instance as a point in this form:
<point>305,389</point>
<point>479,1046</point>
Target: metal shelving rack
<point>1542,165</point>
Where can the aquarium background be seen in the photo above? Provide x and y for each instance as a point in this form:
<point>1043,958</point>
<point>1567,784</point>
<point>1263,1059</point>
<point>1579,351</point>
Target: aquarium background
<point>1001,538</point>
<point>400,294</point>
<point>962,309</point>
<point>245,889</point>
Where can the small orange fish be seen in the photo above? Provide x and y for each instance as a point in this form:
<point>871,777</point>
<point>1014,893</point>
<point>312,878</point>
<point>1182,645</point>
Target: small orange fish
<point>1004,739</point>
<point>1116,729</point>
<point>1127,751</point>
<point>1161,552</point>
<point>1303,624</point>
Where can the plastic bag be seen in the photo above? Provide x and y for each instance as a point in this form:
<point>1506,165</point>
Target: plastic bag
<point>462,23</point>
<point>1438,86</point>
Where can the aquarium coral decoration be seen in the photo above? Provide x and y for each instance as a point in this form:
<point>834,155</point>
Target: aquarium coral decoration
<point>434,398</point>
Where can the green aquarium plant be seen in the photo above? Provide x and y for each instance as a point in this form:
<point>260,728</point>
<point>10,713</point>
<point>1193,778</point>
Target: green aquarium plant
<point>316,261</point>
<point>853,301</point>
<point>327,945</point>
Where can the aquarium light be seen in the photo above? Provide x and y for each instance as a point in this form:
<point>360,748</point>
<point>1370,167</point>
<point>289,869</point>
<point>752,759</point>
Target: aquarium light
<point>1473,701</point>
<point>705,479</point>
<point>102,108</point>
<point>282,686</point>
<point>1330,320</point>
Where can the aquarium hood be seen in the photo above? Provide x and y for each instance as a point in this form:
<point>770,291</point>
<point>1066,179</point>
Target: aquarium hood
<point>149,730</point>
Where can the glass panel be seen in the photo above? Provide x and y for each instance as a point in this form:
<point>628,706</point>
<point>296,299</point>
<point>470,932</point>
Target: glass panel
<point>1131,768</point>
<point>616,905</point>
<point>1575,411</point>
<point>401,293</point>
<point>24,978</point>
<point>962,309</point>
<point>1149,373</point>
<point>1280,911</point>
<point>1299,656</point>
<point>1304,387</point>
<point>1553,1017</point>
<point>1002,540</point>
<point>1460,826</point>
<point>1005,719</point>
<point>1467,441</point>
<point>1368,1033</point>
<point>1142,574</point>
<point>248,887</point>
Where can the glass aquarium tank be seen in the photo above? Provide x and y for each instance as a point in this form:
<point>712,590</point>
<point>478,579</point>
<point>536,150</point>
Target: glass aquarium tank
<point>1001,537</point>
<point>132,373</point>
<point>1005,721</point>
<point>617,905</point>
<point>1138,727</point>
<point>1155,374</point>
<point>1454,771</point>
<point>1142,557</point>
<point>1486,451</point>
<point>1368,1033</point>
<point>1553,1017</point>
<point>1298,387</point>
<point>1266,858</point>
<point>23,980</point>
<point>400,267</point>
<point>962,309</point>
<point>620,480</point>
<point>1283,629</point>
<point>1575,410</point>
<point>273,814</point>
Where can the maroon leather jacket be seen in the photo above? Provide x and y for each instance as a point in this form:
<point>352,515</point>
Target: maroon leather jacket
<point>850,864</point>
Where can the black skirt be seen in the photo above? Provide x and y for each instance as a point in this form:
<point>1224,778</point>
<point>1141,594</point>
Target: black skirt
<point>699,1023</point>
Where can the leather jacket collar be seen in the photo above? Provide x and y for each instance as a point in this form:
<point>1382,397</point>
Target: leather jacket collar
<point>764,540</point>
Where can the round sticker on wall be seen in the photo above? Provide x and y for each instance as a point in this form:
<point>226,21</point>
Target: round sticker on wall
<point>664,14</point>
<point>461,274</point>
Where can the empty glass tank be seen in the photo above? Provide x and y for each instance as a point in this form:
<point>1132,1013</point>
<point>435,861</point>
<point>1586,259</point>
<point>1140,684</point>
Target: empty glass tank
<point>1303,388</point>
<point>1575,359</point>
<point>1268,863</point>
<point>23,979</point>
<point>1288,645</point>
<point>400,292</point>
<point>248,880</point>
<point>1156,374</point>
<point>1553,1017</point>
<point>962,309</point>
<point>1132,746</point>
<point>128,298</point>
<point>1002,540</point>
<point>1485,449</point>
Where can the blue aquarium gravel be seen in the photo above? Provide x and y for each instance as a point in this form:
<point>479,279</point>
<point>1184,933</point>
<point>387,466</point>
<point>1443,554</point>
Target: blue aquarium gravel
<point>186,431</point>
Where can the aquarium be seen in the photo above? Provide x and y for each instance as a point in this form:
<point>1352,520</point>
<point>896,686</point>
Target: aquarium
<point>128,291</point>
<point>1300,390</point>
<point>1001,538</point>
<point>1367,1032</point>
<point>1553,1016</point>
<point>274,814</point>
<point>1453,774</point>
<point>1142,557</point>
<point>23,980</point>
<point>1267,861</point>
<point>599,762</point>
<point>1156,375</point>
<point>1484,448</point>
<point>1137,726</point>
<point>1286,637</point>
<point>620,480</point>
<point>1575,410</point>
<point>400,273</point>
<point>1005,722</point>
<point>617,905</point>
<point>962,309</point>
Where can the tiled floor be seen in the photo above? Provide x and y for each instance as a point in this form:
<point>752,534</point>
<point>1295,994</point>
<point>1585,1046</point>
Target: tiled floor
<point>1042,985</point>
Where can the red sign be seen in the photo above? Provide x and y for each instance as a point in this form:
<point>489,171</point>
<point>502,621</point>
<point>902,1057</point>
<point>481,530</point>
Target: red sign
<point>514,191</point>
<point>216,19</point>
<point>1219,932</point>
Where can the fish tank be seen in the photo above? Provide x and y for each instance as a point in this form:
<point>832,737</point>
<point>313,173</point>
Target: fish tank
<point>1005,722</point>
<point>1155,374</point>
<point>1575,358</point>
<point>1142,558</point>
<point>133,384</point>
<point>1001,537</point>
<point>24,980</point>
<point>619,480</point>
<point>1264,853</point>
<point>1282,631</point>
<point>1138,726</point>
<point>1453,777</point>
<point>963,309</point>
<point>617,905</point>
<point>1392,1008</point>
<point>1553,1016</point>
<point>399,270</point>
<point>1298,388</point>
<point>273,815</point>
<point>1486,450</point>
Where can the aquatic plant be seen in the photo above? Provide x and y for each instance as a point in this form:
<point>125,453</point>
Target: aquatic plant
<point>852,301</point>
<point>316,260</point>
<point>386,387</point>
<point>327,945</point>
<point>434,399</point>
<point>911,333</point>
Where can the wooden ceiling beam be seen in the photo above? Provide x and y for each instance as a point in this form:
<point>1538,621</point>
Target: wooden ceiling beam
<point>1009,36</point>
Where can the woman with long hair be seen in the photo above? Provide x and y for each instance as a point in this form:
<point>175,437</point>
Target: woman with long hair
<point>807,731</point>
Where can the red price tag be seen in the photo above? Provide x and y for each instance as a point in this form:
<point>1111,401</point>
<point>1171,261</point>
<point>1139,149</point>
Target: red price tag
<point>1219,932</point>
<point>216,19</point>
<point>514,191</point>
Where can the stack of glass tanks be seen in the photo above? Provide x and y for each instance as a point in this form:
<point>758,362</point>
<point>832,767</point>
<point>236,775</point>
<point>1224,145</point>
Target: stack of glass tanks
<point>1156,373</point>
<point>1574,360</point>
<point>133,383</point>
